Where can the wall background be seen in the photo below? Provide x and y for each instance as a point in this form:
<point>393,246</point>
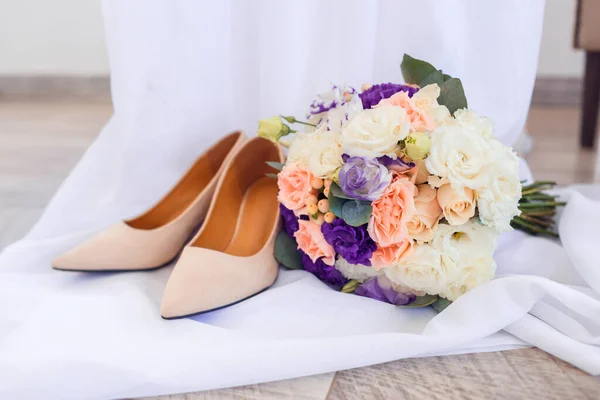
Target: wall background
<point>65,37</point>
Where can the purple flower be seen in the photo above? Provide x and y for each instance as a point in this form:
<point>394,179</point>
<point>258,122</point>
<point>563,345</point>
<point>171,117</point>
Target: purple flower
<point>364,179</point>
<point>372,96</point>
<point>352,243</point>
<point>398,164</point>
<point>380,288</point>
<point>290,221</point>
<point>326,273</point>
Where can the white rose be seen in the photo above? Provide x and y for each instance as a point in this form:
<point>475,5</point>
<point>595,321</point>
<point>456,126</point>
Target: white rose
<point>320,152</point>
<point>470,248</point>
<point>355,271</point>
<point>473,271</point>
<point>459,156</point>
<point>472,238</point>
<point>498,202</point>
<point>423,270</point>
<point>375,132</point>
<point>480,125</point>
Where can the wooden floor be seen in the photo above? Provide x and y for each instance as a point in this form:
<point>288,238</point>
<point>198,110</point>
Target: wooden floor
<point>41,141</point>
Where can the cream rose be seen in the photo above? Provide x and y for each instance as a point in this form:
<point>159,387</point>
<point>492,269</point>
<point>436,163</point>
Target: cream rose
<point>426,99</point>
<point>375,132</point>
<point>320,151</point>
<point>456,242</point>
<point>427,214</point>
<point>458,206</point>
<point>480,125</point>
<point>424,270</point>
<point>473,272</point>
<point>355,271</point>
<point>459,156</point>
<point>498,202</point>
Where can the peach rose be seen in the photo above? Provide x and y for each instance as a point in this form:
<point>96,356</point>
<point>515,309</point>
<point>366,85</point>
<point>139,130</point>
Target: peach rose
<point>417,117</point>
<point>310,240</point>
<point>427,214</point>
<point>392,211</point>
<point>294,185</point>
<point>458,206</point>
<point>391,255</point>
<point>421,174</point>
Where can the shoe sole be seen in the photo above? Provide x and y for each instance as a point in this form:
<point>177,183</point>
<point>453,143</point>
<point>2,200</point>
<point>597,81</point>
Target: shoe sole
<point>216,308</point>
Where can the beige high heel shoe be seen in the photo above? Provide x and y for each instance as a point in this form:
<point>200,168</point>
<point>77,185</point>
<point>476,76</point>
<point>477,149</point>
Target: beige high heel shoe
<point>231,257</point>
<point>156,237</point>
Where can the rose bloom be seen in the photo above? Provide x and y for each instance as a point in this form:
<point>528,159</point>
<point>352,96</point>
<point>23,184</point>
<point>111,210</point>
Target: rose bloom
<point>375,132</point>
<point>391,212</point>
<point>459,156</point>
<point>427,214</point>
<point>359,272</point>
<point>311,241</point>
<point>390,255</point>
<point>422,109</point>
<point>423,270</point>
<point>458,206</point>
<point>473,271</point>
<point>294,185</point>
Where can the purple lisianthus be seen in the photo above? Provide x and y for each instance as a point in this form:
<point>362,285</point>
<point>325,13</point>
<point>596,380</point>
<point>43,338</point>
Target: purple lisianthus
<point>352,243</point>
<point>397,164</point>
<point>290,221</point>
<point>372,96</point>
<point>380,288</point>
<point>364,179</point>
<point>326,273</point>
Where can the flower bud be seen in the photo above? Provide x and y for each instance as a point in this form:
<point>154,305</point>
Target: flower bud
<point>366,86</point>
<point>272,129</point>
<point>417,145</point>
<point>291,119</point>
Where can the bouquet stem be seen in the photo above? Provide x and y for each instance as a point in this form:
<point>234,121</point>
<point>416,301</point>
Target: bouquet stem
<point>538,210</point>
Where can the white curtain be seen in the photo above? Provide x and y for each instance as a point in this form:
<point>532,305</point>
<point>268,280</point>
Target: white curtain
<point>186,72</point>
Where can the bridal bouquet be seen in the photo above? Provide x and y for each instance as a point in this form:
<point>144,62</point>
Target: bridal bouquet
<point>398,192</point>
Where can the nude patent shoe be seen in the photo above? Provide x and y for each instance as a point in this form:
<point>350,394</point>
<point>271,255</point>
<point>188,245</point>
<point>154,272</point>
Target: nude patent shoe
<point>156,237</point>
<point>231,257</point>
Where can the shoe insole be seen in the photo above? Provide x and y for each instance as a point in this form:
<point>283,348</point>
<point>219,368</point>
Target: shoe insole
<point>256,218</point>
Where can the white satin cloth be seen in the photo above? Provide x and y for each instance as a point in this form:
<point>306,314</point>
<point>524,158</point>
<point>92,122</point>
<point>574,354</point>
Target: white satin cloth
<point>185,73</point>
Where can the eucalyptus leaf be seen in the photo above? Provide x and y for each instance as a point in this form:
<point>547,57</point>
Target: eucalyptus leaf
<point>446,77</point>
<point>336,204</point>
<point>274,164</point>
<point>356,212</point>
<point>441,304</point>
<point>337,191</point>
<point>269,175</point>
<point>414,70</point>
<point>434,77</point>
<point>452,95</point>
<point>422,301</point>
<point>286,251</point>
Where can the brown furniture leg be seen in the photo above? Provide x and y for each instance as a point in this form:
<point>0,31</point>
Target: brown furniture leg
<point>591,97</point>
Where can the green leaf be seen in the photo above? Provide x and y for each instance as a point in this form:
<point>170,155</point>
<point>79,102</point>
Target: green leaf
<point>434,77</point>
<point>422,301</point>
<point>277,165</point>
<point>441,304</point>
<point>452,95</point>
<point>446,77</point>
<point>356,212</point>
<point>286,251</point>
<point>414,70</point>
<point>269,175</point>
<point>337,191</point>
<point>336,204</point>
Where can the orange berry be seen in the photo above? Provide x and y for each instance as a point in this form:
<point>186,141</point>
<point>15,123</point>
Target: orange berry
<point>327,183</point>
<point>312,209</point>
<point>329,217</point>
<point>326,192</point>
<point>323,205</point>
<point>316,183</point>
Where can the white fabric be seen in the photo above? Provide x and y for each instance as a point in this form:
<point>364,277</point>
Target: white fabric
<point>186,72</point>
